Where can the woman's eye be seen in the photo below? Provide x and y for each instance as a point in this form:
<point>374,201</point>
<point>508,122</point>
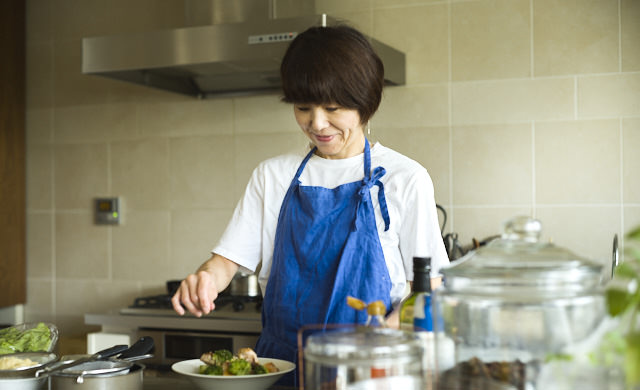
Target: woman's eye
<point>331,109</point>
<point>302,108</point>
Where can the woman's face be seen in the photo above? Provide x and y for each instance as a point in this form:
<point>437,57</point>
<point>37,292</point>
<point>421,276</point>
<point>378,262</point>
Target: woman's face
<point>335,130</point>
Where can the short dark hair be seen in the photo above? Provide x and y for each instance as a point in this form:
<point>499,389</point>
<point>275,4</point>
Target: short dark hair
<point>334,64</point>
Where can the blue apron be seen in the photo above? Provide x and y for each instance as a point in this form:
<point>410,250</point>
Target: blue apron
<point>326,248</point>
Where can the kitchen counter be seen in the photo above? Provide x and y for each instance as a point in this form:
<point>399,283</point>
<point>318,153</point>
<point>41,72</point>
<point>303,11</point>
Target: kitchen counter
<point>154,380</point>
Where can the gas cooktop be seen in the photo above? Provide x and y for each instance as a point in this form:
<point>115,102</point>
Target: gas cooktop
<point>241,307</point>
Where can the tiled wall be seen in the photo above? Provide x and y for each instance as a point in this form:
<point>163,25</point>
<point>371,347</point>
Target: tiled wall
<point>514,106</point>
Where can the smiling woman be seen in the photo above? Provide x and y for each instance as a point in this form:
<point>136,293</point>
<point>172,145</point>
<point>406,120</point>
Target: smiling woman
<point>322,224</point>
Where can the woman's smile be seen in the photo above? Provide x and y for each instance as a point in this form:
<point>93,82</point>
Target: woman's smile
<point>334,130</point>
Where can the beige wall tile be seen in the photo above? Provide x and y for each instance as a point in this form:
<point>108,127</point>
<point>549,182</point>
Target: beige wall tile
<point>631,160</point>
<point>630,21</point>
<point>481,222</point>
<point>141,246</point>
<point>188,117</point>
<point>609,95</point>
<point>39,125</point>
<point>263,114</point>
<point>93,123</point>
<point>422,33</point>
<point>81,248</point>
<point>39,73</point>
<point>575,37</point>
<point>492,164</point>
<point>512,101</point>
<point>586,231</point>
<point>39,245</point>
<point>250,150</point>
<point>333,6</point>
<point>631,215</point>
<point>631,218</point>
<point>140,173</point>
<point>194,233</point>
<point>200,173</point>
<point>75,19</point>
<point>40,300</point>
<point>70,86</point>
<point>427,145</point>
<point>403,107</point>
<point>486,44</point>
<point>577,162</point>
<point>80,174</point>
<point>39,177</point>
<point>361,20</point>
<point>74,298</point>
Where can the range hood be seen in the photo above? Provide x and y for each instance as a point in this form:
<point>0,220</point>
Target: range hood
<point>213,60</point>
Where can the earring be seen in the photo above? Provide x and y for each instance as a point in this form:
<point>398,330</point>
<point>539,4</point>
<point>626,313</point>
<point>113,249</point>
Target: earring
<point>368,128</point>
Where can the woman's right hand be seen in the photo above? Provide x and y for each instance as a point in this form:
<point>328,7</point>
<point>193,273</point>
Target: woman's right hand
<point>198,291</point>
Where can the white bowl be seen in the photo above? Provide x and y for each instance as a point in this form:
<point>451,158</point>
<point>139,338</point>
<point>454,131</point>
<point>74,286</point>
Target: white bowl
<point>189,368</point>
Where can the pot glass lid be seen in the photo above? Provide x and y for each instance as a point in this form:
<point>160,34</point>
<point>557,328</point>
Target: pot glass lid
<point>519,259</point>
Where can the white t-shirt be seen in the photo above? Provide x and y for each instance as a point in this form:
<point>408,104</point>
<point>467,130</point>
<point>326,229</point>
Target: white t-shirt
<point>414,229</point>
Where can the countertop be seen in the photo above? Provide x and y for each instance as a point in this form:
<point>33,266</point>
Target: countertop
<point>161,380</point>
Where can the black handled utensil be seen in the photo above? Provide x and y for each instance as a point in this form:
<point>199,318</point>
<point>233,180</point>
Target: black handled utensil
<point>140,348</point>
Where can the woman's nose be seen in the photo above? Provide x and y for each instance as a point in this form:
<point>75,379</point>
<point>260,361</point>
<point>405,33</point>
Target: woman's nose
<point>318,120</point>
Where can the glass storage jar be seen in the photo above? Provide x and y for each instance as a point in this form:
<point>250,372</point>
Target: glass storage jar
<point>363,358</point>
<point>511,306</point>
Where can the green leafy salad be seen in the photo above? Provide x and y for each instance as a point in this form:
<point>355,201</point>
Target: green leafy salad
<point>14,340</point>
<point>223,362</point>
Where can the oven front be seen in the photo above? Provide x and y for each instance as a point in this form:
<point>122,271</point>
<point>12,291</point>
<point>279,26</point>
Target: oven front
<point>173,345</point>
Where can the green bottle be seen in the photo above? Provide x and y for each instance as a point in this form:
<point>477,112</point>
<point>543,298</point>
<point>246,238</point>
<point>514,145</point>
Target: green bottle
<point>415,310</point>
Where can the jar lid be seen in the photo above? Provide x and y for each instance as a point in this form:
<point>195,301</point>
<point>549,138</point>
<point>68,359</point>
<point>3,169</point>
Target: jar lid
<point>518,262</point>
<point>361,345</point>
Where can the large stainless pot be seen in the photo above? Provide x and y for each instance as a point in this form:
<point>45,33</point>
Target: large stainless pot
<point>131,379</point>
<point>515,305</point>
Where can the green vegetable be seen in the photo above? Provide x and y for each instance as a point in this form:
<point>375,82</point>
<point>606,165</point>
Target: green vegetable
<point>207,369</point>
<point>29,340</point>
<point>239,367</point>
<point>259,369</point>
<point>220,356</point>
<point>623,300</point>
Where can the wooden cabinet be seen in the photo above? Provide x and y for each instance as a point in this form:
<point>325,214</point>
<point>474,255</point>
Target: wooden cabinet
<point>12,153</point>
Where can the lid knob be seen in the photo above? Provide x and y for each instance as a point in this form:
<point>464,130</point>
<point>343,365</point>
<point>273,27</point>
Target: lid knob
<point>522,228</point>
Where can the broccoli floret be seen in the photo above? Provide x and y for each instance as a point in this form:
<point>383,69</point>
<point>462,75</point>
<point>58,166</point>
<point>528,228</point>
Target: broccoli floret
<point>222,355</point>
<point>259,369</point>
<point>207,369</point>
<point>239,367</point>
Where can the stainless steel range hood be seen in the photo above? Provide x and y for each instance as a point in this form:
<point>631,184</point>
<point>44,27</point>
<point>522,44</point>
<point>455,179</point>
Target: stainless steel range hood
<point>214,60</point>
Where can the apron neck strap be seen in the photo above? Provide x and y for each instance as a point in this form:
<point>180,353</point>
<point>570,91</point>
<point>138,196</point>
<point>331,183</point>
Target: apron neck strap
<point>367,161</point>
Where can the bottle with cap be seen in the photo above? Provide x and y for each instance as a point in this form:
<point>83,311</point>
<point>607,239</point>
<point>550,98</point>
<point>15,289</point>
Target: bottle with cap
<point>415,310</point>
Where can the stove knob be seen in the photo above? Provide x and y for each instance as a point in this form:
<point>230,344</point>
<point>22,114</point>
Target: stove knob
<point>238,306</point>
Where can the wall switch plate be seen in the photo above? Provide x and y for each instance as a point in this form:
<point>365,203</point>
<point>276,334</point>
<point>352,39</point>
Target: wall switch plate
<point>108,211</point>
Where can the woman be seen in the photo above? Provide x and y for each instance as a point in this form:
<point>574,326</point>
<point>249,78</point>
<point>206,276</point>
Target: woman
<point>345,218</point>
